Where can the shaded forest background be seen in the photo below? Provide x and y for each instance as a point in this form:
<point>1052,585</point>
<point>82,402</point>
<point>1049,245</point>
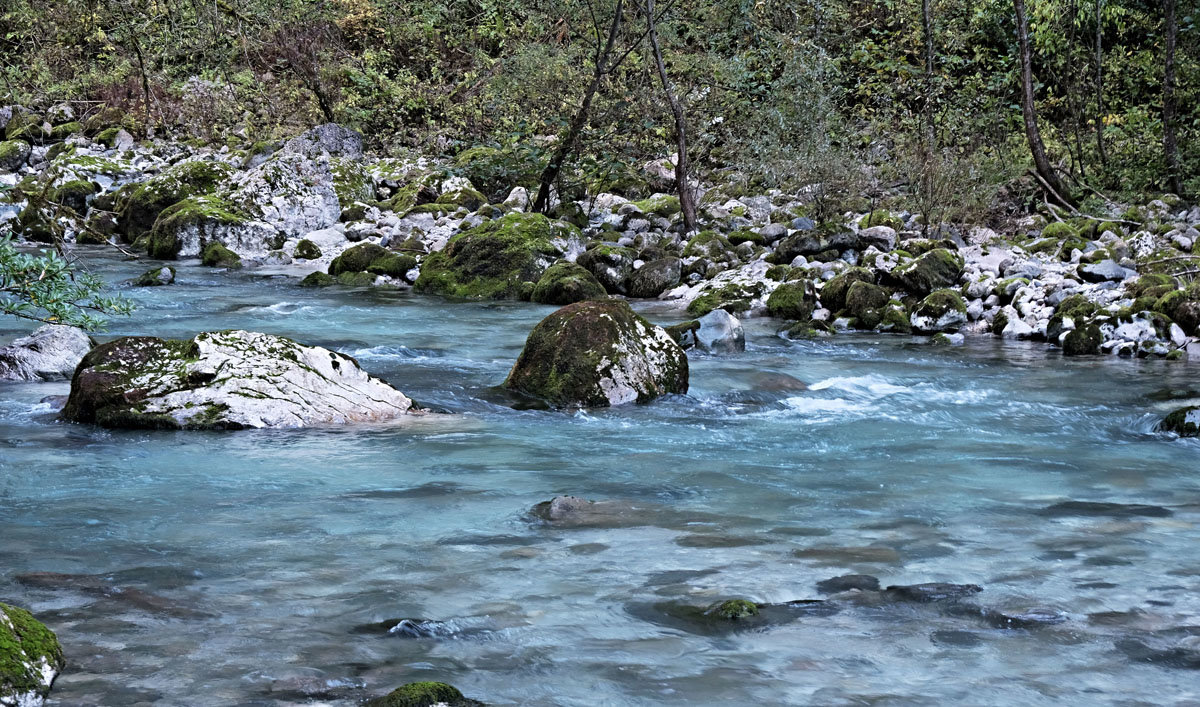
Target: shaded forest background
<point>866,99</point>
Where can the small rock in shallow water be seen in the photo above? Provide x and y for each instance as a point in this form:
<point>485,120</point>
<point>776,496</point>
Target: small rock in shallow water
<point>1117,510</point>
<point>956,639</point>
<point>849,555</point>
<point>721,332</point>
<point>848,582</point>
<point>932,591</point>
<point>1184,422</point>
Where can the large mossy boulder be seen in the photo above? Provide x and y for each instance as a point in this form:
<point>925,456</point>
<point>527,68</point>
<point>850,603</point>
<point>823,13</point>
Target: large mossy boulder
<point>941,311</point>
<point>934,270</point>
<point>374,259</point>
<point>424,694</point>
<point>598,353</point>
<point>13,154</point>
<point>792,300</point>
<point>188,228</point>
<point>833,293</point>
<point>142,204</point>
<point>612,265</point>
<point>654,278</point>
<point>1184,422</point>
<point>567,283</point>
<point>499,259</point>
<point>225,380</point>
<point>1084,340</point>
<point>30,658</point>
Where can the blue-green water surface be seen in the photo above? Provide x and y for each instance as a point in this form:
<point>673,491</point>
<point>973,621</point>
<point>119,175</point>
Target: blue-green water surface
<point>910,462</point>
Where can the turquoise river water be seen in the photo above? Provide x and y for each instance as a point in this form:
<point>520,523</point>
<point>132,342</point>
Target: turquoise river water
<point>244,561</point>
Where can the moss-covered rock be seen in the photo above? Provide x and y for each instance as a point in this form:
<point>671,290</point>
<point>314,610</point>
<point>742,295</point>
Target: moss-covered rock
<point>14,154</point>
<point>708,244</point>
<point>466,197</point>
<point>934,270</point>
<point>893,319</point>
<point>1084,340</point>
<point>734,609</point>
<point>833,293</point>
<point>612,265</point>
<point>792,300</point>
<point>216,255</point>
<point>940,311</point>
<point>187,226</point>
<point>1184,422</point>
<point>374,259</point>
<point>156,277</point>
<point>424,694</point>
<point>659,205</point>
<point>30,658</point>
<point>566,283</point>
<point>307,250</point>
<point>224,380</point>
<point>66,130</point>
<point>74,194</point>
<point>731,297</point>
<point>880,217</point>
<point>29,127</point>
<point>1058,231</point>
<point>318,279</point>
<point>39,223</point>
<point>350,182</point>
<point>598,353</point>
<point>144,203</point>
<point>654,277</point>
<point>499,259</point>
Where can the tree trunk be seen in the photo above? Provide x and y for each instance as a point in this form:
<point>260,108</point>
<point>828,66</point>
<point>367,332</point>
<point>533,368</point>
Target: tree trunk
<point>1170,145</point>
<point>1100,89</point>
<point>1029,110</point>
<point>566,143</point>
<point>687,201</point>
<point>927,28</point>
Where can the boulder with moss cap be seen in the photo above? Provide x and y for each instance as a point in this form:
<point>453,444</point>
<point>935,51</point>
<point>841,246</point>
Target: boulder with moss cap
<point>596,354</point>
<point>30,659</point>
<point>1184,422</point>
<point>424,694</point>
<point>498,259</point>
<point>566,283</point>
<point>225,380</point>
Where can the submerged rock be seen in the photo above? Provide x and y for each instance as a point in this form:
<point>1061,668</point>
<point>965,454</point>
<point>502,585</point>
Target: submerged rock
<point>598,353</point>
<point>848,582</point>
<point>424,694</point>
<point>1093,508</point>
<point>101,586</point>
<point>932,591</point>
<point>225,380</point>
<point>50,353</point>
<point>30,659</point>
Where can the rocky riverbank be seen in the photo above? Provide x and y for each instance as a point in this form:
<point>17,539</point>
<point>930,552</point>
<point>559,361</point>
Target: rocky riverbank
<point>318,208</point>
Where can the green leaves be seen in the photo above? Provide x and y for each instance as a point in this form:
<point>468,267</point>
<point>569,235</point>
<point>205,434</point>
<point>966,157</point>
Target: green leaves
<point>45,288</point>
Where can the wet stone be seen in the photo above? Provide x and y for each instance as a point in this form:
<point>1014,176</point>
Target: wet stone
<point>932,591</point>
<point>956,639</point>
<point>848,582</point>
<point>1114,510</point>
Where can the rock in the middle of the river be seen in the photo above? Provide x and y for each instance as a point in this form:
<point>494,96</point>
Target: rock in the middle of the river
<point>225,380</point>
<point>598,353</point>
